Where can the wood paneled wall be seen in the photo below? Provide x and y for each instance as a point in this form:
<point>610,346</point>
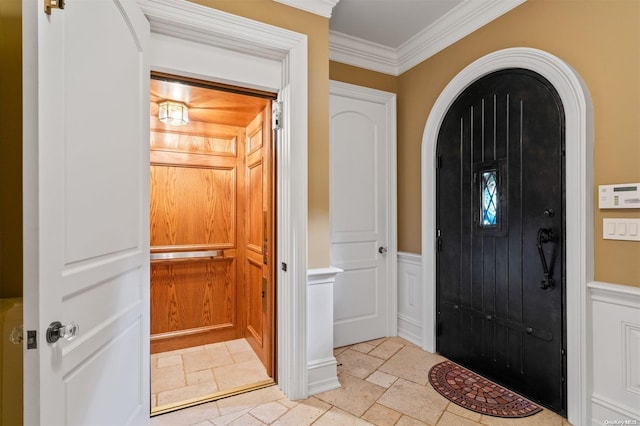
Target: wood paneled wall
<point>213,191</point>
<point>197,202</point>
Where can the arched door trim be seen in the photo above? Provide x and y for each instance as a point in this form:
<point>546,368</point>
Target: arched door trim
<point>579,203</point>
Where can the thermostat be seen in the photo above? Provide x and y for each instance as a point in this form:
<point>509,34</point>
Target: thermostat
<point>619,196</point>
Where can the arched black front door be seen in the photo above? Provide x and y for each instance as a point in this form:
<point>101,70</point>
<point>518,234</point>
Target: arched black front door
<point>500,227</point>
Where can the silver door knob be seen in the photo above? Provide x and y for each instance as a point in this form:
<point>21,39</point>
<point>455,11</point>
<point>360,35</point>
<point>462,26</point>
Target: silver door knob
<point>56,331</point>
<point>382,250</point>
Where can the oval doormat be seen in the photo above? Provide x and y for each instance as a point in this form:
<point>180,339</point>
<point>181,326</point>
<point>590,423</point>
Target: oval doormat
<point>473,392</point>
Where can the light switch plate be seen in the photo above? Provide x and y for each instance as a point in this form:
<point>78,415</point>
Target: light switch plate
<point>621,229</point>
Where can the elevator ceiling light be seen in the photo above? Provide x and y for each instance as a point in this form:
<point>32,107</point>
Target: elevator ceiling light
<point>174,113</point>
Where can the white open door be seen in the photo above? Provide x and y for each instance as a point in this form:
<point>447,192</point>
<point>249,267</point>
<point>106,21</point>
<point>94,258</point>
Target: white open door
<point>86,214</point>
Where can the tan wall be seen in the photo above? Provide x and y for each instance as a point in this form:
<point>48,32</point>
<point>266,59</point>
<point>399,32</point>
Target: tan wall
<point>317,30</point>
<point>11,148</point>
<point>361,77</point>
<point>601,40</point>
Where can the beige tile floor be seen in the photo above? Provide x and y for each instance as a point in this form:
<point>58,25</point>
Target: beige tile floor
<point>384,382</point>
<point>199,371</point>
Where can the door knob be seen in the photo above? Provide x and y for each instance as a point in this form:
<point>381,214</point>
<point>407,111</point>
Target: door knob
<point>382,250</point>
<point>56,331</point>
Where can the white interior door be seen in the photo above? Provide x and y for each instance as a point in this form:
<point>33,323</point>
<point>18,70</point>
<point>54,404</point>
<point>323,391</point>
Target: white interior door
<point>362,176</point>
<point>86,227</point>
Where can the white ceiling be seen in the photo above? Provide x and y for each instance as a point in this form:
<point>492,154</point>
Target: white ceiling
<point>392,36</point>
<point>387,22</point>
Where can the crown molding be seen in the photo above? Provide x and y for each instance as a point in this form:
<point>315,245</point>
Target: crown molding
<point>361,53</point>
<point>461,21</point>
<point>318,7</point>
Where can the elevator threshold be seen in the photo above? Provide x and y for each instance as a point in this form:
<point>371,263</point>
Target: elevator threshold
<point>156,411</point>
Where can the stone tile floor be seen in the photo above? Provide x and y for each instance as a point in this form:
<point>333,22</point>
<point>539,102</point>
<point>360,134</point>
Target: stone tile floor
<point>384,382</point>
<point>203,370</point>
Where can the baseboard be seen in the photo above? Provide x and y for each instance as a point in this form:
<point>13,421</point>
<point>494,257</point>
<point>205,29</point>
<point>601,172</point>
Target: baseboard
<point>322,375</point>
<point>409,330</point>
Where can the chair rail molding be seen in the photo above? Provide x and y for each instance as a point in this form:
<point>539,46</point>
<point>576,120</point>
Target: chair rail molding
<point>579,201</point>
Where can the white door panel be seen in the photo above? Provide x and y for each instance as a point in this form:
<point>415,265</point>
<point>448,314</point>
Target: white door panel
<point>361,147</point>
<point>354,150</point>
<point>92,207</point>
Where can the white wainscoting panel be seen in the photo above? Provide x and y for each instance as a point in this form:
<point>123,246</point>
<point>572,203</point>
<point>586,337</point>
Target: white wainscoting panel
<point>410,309</point>
<point>321,364</point>
<point>615,327</point>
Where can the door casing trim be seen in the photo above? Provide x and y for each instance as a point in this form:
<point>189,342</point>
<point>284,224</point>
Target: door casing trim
<point>579,204</point>
<point>210,27</point>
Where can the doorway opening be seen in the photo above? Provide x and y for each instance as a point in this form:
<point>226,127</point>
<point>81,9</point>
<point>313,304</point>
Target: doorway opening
<point>212,228</point>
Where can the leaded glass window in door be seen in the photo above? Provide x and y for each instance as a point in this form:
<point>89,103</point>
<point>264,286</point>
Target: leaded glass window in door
<point>489,197</point>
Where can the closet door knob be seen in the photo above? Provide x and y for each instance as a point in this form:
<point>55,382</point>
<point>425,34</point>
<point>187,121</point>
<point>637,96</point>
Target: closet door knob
<point>56,331</point>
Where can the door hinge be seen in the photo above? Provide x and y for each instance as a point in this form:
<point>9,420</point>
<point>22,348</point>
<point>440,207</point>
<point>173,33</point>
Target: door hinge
<point>52,4</point>
<point>438,241</point>
<point>284,267</point>
<point>32,339</point>
<point>276,115</point>
<point>438,161</point>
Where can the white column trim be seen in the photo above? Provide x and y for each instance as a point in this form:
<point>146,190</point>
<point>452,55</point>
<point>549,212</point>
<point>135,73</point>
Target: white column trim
<point>235,34</point>
<point>322,366</point>
<point>579,203</point>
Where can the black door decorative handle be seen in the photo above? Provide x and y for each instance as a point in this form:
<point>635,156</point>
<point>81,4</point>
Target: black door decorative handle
<point>545,235</point>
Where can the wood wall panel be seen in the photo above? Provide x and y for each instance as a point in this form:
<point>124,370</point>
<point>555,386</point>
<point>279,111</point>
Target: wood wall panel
<point>223,143</point>
<point>197,197</point>
<point>254,138</point>
<point>174,193</point>
<point>255,207</point>
<point>190,295</point>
